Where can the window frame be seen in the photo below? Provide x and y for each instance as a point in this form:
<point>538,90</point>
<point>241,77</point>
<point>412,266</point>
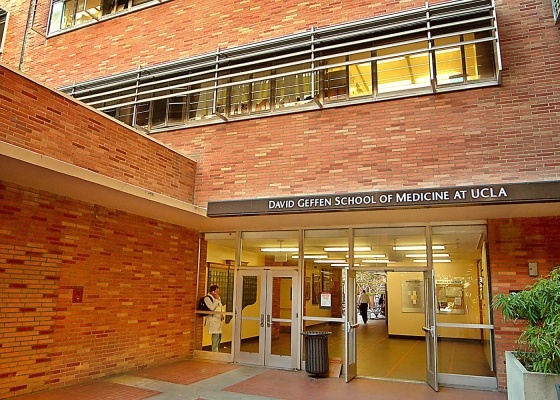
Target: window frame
<point>4,19</point>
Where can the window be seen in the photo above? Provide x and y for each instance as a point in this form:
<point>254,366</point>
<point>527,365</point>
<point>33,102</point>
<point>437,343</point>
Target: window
<point>3,28</point>
<point>447,46</point>
<point>69,13</point>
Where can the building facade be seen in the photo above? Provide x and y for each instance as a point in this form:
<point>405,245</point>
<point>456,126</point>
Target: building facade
<point>154,147</point>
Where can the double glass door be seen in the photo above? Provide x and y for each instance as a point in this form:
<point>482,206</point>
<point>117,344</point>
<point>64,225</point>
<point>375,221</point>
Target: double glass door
<point>267,317</point>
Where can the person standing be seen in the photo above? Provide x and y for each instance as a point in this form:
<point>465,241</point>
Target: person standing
<point>214,321</point>
<point>363,302</point>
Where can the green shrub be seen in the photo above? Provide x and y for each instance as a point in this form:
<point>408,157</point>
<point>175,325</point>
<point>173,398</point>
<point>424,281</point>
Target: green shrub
<point>539,306</point>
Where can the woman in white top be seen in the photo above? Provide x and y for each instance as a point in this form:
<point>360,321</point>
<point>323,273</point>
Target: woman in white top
<point>214,321</point>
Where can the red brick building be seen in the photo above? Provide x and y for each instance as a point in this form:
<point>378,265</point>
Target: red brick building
<point>235,143</point>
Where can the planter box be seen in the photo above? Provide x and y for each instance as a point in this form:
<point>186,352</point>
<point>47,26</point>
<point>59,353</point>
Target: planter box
<point>525,385</point>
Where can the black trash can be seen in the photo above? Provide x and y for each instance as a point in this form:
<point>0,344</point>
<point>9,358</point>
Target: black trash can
<point>316,352</point>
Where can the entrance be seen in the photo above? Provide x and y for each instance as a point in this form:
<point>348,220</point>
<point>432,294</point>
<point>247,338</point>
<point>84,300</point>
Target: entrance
<point>266,326</point>
<point>287,282</point>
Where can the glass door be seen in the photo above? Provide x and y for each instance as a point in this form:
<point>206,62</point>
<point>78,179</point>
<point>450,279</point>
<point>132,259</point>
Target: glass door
<point>267,318</point>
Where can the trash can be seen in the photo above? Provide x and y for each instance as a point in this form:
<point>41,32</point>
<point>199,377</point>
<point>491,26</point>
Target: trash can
<point>316,352</point>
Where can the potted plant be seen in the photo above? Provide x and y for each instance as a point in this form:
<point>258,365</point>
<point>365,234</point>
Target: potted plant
<point>533,369</point>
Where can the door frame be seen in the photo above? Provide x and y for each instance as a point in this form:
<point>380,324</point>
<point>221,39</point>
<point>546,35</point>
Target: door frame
<point>264,357</point>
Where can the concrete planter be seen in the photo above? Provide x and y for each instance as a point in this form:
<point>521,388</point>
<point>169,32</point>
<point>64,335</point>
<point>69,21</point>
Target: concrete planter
<point>525,385</point>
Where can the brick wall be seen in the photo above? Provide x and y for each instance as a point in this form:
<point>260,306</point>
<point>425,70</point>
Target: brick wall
<point>443,140</point>
<point>512,244</point>
<point>178,29</point>
<point>138,278</point>
<point>38,119</point>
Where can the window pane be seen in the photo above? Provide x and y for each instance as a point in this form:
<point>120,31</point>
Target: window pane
<point>404,71</point>
<point>200,102</point>
<point>293,89</point>
<point>335,80</point>
<point>240,96</point>
<point>449,61</point>
<point>360,76</point>
<point>261,93</point>
<point>3,18</point>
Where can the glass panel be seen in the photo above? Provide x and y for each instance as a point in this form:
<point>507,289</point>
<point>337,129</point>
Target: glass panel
<point>325,256</point>
<point>159,112</point>
<point>177,109</point>
<point>200,102</point>
<point>360,76</point>
<point>217,259</point>
<point>281,303</point>
<point>335,80</point>
<point>250,314</point>
<point>479,59</point>
<point>57,16</point>
<point>260,96</point>
<point>138,2</point>
<point>68,14</point>
<point>462,298</point>
<point>274,248</point>
<point>449,61</point>
<point>240,97</point>
<point>292,90</point>
<point>404,71</point>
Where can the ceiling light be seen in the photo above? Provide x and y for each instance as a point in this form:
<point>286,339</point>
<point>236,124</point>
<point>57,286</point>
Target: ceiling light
<point>312,257</point>
<point>343,265</point>
<point>413,248</point>
<point>376,261</point>
<point>436,261</point>
<point>424,255</point>
<point>368,256</point>
<point>346,249</point>
<point>329,261</point>
<point>280,249</point>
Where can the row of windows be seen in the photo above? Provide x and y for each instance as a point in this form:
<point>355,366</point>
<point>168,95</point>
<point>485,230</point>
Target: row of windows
<point>68,13</point>
<point>392,56</point>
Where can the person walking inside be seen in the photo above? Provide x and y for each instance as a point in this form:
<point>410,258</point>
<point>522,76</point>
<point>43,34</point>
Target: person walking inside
<point>363,302</point>
<point>214,321</point>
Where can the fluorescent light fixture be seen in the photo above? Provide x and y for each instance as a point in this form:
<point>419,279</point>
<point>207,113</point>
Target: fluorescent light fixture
<point>376,261</point>
<point>362,256</point>
<point>346,249</point>
<point>416,248</point>
<point>343,265</point>
<point>280,249</point>
<point>312,257</point>
<point>424,255</point>
<point>436,261</point>
<point>329,261</point>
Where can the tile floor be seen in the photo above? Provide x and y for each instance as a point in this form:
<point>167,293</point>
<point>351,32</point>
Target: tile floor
<point>206,380</point>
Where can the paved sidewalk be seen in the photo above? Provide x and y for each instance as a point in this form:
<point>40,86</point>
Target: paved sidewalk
<point>205,380</point>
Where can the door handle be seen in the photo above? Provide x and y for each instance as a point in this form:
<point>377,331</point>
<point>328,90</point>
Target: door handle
<point>268,320</point>
<point>431,330</point>
<point>262,320</point>
<point>352,326</point>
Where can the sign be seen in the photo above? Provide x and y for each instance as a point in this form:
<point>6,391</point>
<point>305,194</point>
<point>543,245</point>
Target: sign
<point>417,198</point>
